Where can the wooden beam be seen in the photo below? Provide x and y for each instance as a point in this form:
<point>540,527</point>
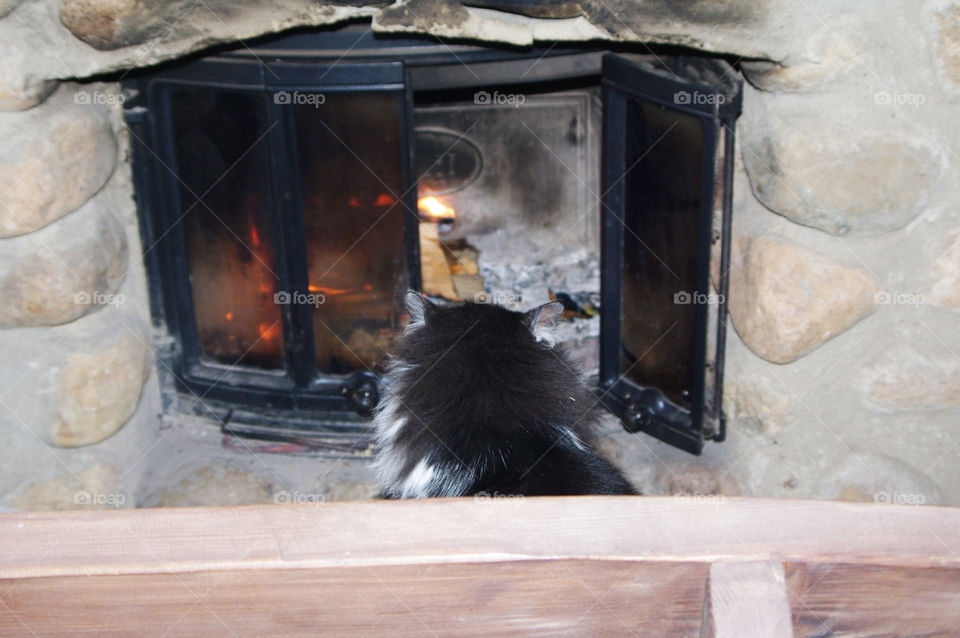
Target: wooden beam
<point>856,601</point>
<point>535,566</point>
<point>469,530</point>
<point>531,598</point>
<point>747,600</point>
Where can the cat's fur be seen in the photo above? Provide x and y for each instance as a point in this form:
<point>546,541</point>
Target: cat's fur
<point>477,401</point>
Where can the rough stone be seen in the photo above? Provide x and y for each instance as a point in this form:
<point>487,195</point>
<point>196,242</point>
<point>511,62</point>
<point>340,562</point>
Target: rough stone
<point>709,24</point>
<point>19,90</point>
<point>343,491</point>
<point>696,480</point>
<point>216,485</point>
<point>54,158</point>
<point>946,269</point>
<point>755,404</point>
<point>786,300</point>
<point>877,478</point>
<point>164,31</point>
<point>117,23</point>
<point>947,45</point>
<point>834,177</point>
<point>834,52</point>
<point>6,6</point>
<point>63,271</point>
<point>905,379</point>
<point>96,487</point>
<point>98,389</point>
<point>452,20</point>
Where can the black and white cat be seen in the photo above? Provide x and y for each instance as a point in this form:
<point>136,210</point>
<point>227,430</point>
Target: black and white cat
<point>477,401</point>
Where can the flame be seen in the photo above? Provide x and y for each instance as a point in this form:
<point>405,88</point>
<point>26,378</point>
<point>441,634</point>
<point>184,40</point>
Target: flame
<point>268,332</point>
<point>385,200</point>
<point>325,290</point>
<point>228,316</point>
<point>354,202</point>
<point>254,233</point>
<point>436,209</point>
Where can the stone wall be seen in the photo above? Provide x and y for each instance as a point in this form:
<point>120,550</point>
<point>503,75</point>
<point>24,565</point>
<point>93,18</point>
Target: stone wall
<point>74,323</point>
<point>843,367</point>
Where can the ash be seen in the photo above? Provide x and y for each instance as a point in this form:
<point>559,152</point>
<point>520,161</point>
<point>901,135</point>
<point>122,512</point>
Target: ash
<point>521,265</point>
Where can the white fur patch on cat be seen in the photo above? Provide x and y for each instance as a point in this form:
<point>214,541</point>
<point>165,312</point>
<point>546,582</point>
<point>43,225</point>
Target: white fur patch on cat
<point>388,434</point>
<point>575,439</point>
<point>417,483</point>
<point>428,479</point>
<point>545,338</point>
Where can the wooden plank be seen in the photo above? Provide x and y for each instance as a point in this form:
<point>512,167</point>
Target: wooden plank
<point>528,598</point>
<point>747,600</point>
<point>469,530</point>
<point>581,566</point>
<point>855,600</point>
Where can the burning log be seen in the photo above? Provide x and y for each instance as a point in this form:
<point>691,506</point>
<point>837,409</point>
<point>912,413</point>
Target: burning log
<point>434,268</point>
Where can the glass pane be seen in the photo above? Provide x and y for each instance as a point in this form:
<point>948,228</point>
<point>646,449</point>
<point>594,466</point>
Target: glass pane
<point>662,221</point>
<point>221,155</point>
<point>351,176</point>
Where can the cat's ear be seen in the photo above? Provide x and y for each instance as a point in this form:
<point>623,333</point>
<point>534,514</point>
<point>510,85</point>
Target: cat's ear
<point>418,306</point>
<point>543,320</point>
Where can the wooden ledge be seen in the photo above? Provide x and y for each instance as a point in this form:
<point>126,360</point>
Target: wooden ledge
<point>485,567</point>
<point>476,530</point>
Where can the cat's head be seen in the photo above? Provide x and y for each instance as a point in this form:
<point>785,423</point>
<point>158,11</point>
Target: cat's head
<point>450,322</point>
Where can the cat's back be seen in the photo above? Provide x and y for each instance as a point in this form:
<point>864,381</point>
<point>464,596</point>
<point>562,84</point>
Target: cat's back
<point>483,361</point>
<point>477,399</point>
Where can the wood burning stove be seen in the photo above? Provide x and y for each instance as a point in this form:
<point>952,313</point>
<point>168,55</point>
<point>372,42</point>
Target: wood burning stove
<point>290,193</point>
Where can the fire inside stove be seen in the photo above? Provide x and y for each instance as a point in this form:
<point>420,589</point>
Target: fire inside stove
<point>508,199</point>
<point>350,229</point>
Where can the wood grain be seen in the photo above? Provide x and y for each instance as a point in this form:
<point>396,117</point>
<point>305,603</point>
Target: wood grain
<point>469,530</point>
<point>855,600</point>
<point>530,598</point>
<point>535,566</point>
<point>747,600</point>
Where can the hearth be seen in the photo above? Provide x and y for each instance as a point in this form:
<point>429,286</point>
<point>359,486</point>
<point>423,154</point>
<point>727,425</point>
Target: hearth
<point>290,193</point>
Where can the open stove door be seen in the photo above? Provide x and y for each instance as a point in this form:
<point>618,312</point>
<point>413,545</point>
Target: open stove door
<point>667,192</point>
